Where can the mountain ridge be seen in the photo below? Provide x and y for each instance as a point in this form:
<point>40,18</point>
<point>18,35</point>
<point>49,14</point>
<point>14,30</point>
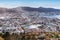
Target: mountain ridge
<point>39,9</point>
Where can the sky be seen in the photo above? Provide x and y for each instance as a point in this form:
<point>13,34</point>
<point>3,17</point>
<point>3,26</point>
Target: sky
<point>30,3</point>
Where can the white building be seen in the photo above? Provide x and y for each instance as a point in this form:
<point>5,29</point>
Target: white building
<point>35,26</point>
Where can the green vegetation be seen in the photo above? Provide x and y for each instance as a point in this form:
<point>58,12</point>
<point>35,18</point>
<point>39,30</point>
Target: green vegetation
<point>30,36</point>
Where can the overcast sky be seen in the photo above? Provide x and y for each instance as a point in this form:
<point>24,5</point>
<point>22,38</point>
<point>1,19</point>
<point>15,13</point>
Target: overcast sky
<point>31,3</point>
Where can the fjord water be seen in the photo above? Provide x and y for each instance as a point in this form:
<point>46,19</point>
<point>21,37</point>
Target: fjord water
<point>57,16</point>
<point>52,16</point>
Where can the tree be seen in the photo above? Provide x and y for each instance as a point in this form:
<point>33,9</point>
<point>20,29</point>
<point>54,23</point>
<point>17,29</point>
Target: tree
<point>1,38</point>
<point>6,36</point>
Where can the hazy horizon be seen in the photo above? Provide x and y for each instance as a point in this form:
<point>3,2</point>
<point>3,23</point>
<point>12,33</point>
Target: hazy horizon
<point>30,3</point>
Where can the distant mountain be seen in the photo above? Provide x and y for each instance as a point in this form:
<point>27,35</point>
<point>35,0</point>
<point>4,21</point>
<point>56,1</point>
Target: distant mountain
<point>41,9</point>
<point>28,9</point>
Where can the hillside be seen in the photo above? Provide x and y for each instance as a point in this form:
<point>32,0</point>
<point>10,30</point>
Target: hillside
<point>20,16</point>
